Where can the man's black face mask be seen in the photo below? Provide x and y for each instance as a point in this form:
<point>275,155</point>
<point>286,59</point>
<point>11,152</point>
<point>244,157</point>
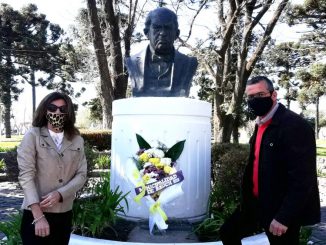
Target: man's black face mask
<point>260,106</point>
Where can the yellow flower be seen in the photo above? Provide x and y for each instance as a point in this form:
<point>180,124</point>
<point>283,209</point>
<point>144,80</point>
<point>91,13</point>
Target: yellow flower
<point>167,169</point>
<point>154,160</point>
<point>159,165</point>
<point>146,178</point>
<point>144,157</point>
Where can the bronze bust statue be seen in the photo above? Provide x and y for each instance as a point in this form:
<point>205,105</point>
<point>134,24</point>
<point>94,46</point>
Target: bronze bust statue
<point>160,70</point>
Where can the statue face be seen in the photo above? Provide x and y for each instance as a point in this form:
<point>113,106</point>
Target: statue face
<point>162,33</point>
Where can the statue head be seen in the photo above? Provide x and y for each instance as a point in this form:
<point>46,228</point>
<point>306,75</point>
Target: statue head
<point>161,28</point>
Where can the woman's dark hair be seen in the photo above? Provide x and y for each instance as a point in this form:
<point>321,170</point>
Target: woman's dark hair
<point>41,111</point>
<point>258,79</point>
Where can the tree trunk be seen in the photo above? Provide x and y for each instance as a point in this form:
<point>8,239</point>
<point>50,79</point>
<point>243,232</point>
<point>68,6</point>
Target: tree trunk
<point>7,106</point>
<point>235,131</point>
<point>225,128</point>
<point>215,121</point>
<point>105,78</point>
<point>107,117</point>
<point>288,100</point>
<point>6,96</point>
<point>119,76</point>
<point>32,83</point>
<point>1,117</point>
<point>245,66</point>
<point>317,119</point>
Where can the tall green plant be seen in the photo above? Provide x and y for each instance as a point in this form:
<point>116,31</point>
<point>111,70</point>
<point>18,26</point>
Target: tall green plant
<point>100,209</point>
<point>11,230</point>
<point>2,166</point>
<point>102,162</point>
<point>228,161</point>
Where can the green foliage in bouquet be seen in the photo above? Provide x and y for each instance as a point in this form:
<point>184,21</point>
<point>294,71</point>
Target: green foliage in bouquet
<point>142,143</point>
<point>11,229</point>
<point>99,210</point>
<point>174,152</point>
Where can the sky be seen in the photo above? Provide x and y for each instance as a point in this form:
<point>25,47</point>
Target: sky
<point>63,12</point>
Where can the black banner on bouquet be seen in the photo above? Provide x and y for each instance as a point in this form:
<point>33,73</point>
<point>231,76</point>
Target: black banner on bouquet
<point>162,183</point>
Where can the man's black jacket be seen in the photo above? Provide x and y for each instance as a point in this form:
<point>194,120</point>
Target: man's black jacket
<point>287,180</point>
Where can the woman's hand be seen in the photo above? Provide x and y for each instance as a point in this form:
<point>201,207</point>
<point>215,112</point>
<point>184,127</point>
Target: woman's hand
<point>50,199</point>
<point>42,228</point>
<point>41,225</point>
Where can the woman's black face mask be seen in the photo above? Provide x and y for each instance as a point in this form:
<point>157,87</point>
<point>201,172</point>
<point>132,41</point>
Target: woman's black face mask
<point>260,106</point>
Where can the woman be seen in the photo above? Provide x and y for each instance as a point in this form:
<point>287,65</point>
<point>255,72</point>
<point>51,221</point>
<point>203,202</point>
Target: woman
<point>52,168</point>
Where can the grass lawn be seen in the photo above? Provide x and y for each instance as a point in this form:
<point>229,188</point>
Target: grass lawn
<point>6,143</point>
<point>321,148</point>
<point>15,140</point>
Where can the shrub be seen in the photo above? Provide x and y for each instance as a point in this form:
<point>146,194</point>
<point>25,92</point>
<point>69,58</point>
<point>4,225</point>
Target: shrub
<point>102,161</point>
<point>11,229</point>
<point>228,162</point>
<point>92,214</point>
<point>305,233</point>
<point>10,160</point>
<point>208,229</point>
<point>3,149</point>
<point>2,166</point>
<point>90,157</point>
<point>8,145</point>
<point>99,139</point>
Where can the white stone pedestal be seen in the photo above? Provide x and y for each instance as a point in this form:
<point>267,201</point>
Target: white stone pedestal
<point>167,120</point>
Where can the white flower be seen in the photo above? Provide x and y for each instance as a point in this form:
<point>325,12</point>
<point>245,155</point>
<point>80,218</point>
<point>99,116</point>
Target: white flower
<point>154,152</point>
<point>158,153</point>
<point>147,164</point>
<point>166,161</point>
<point>150,152</point>
<point>152,174</point>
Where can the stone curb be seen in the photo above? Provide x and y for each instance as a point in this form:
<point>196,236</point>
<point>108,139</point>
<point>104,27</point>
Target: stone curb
<point>259,239</point>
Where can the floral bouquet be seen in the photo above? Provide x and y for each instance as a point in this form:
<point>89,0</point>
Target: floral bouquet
<point>153,172</point>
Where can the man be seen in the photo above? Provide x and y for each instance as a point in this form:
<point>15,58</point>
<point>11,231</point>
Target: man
<point>279,189</point>
<point>160,70</point>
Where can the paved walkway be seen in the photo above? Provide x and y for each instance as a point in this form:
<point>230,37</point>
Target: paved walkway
<point>318,235</point>
<point>11,198</point>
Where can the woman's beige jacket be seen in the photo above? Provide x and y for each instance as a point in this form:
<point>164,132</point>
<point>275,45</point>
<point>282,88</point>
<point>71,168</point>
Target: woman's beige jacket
<point>43,168</point>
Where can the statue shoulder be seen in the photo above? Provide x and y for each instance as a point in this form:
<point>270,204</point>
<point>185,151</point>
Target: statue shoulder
<point>135,62</point>
<point>185,58</point>
<point>132,58</point>
<point>140,55</point>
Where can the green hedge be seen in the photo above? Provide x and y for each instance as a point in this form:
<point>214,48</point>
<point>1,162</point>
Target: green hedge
<point>11,166</point>
<point>7,148</point>
<point>99,139</point>
<point>228,162</point>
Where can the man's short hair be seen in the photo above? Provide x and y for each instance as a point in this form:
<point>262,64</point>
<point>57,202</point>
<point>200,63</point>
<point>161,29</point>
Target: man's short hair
<point>154,12</point>
<point>258,79</point>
